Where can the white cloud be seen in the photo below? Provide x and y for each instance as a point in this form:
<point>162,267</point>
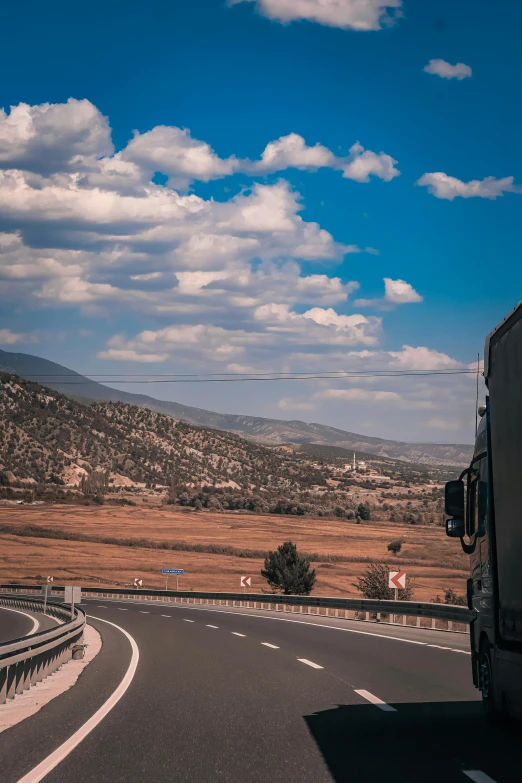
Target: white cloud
<point>362,15</point>
<point>7,337</point>
<point>126,355</point>
<point>400,292</point>
<point>396,292</point>
<point>174,152</point>
<point>362,163</point>
<point>443,186</point>
<point>447,71</point>
<point>292,152</point>
<point>421,358</point>
<point>50,137</point>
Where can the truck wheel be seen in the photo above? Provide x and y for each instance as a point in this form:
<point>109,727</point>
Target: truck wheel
<point>487,684</point>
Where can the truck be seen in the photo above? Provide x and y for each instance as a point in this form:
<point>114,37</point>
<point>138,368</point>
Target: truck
<point>485,509</point>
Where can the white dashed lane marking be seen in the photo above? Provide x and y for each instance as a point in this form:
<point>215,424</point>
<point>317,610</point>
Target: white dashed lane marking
<point>212,626</point>
<point>235,633</point>
<point>121,609</point>
<point>272,646</point>
<point>142,612</point>
<point>166,615</point>
<point>374,700</point>
<point>188,621</point>
<point>477,776</point>
<point>310,663</point>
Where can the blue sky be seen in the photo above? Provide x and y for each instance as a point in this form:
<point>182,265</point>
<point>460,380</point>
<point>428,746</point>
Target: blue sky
<point>217,264</point>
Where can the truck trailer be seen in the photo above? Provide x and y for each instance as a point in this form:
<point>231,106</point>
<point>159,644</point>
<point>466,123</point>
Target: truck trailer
<point>485,509</point>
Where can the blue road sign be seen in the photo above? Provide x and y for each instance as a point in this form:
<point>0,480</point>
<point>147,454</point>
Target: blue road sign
<point>177,571</point>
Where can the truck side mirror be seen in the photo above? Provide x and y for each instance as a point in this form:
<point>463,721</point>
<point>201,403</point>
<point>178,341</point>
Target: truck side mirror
<point>455,528</point>
<point>454,499</point>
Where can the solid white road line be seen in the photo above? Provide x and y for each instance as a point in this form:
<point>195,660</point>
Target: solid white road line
<point>188,621</point>
<point>48,764</point>
<point>235,633</point>
<point>212,626</point>
<point>378,702</point>
<point>166,615</point>
<point>315,625</point>
<point>477,776</point>
<point>310,663</point>
<point>272,646</point>
<point>35,622</point>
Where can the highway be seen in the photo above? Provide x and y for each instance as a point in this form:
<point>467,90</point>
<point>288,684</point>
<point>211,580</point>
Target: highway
<point>239,695</point>
<point>15,623</point>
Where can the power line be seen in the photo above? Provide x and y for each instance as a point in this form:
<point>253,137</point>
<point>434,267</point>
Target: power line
<point>339,375</point>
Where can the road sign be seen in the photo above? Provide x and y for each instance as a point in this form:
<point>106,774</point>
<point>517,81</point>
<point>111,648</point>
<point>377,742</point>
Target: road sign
<point>138,582</point>
<point>72,595</point>
<point>397,580</point>
<point>246,581</point>
<point>177,573</point>
<point>50,578</point>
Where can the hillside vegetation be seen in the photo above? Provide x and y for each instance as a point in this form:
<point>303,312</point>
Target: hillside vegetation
<point>49,438</point>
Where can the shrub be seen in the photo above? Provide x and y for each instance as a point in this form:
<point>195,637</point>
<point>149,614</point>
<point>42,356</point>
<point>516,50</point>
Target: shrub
<point>395,546</point>
<point>374,584</point>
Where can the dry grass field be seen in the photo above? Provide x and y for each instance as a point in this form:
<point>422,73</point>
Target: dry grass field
<point>340,549</point>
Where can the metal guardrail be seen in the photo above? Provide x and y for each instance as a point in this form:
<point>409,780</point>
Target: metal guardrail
<point>384,611</point>
<point>26,661</point>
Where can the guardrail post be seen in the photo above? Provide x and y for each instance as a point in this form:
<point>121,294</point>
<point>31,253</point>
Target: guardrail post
<point>11,682</point>
<point>418,622</point>
<point>367,616</point>
<point>433,623</point>
<point>3,685</point>
<point>450,625</point>
<point>404,619</point>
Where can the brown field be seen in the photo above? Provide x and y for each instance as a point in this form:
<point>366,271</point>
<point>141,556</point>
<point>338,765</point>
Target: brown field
<point>434,561</point>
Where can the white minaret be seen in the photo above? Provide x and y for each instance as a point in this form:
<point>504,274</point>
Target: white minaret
<point>354,460</point>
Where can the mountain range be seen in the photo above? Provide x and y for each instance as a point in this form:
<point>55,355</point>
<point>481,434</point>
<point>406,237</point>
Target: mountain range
<point>262,430</point>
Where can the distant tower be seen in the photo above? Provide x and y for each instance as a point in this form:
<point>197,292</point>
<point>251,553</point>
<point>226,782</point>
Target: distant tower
<point>354,460</point>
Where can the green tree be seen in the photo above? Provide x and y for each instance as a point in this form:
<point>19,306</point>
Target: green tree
<point>374,584</point>
<point>395,546</point>
<point>288,571</point>
<point>364,512</point>
<point>451,597</point>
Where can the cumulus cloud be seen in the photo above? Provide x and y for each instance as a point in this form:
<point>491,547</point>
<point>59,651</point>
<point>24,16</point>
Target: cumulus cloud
<point>396,292</point>
<point>362,15</point>
<point>292,152</point>
<point>441,185</point>
<point>447,71</point>
<point>174,152</point>
<point>52,137</point>
<point>362,163</point>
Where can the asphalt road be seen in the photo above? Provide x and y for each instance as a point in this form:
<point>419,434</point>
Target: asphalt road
<point>15,624</point>
<point>223,695</point>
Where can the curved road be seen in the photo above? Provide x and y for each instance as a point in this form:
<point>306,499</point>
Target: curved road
<point>15,624</point>
<point>224,695</point>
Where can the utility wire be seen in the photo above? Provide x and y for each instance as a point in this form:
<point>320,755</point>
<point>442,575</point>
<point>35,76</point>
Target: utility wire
<point>259,378</point>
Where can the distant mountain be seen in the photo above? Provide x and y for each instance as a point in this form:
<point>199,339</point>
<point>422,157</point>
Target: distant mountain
<point>266,431</point>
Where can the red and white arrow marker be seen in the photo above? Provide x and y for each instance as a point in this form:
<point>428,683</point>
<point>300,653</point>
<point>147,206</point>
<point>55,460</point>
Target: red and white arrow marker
<point>138,582</point>
<point>397,579</point>
<point>246,581</point>
<point>50,578</point>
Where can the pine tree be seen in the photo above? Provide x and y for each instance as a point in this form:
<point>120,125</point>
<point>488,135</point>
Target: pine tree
<point>288,571</point>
